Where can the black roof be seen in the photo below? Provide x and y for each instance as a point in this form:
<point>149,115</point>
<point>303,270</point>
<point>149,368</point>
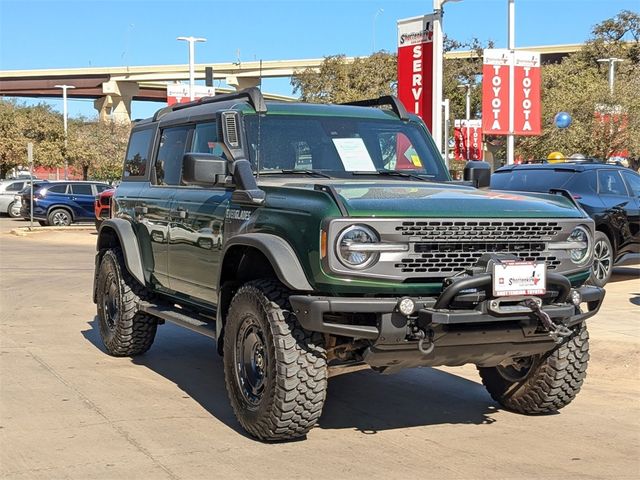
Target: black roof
<point>573,166</point>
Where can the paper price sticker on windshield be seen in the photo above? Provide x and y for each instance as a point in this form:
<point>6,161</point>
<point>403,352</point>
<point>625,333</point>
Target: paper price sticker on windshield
<point>512,277</point>
<point>354,155</point>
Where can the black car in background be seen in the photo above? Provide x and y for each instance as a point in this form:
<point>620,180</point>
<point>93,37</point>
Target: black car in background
<point>610,194</point>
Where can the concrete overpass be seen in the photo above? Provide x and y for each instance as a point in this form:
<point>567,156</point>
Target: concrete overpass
<point>113,88</point>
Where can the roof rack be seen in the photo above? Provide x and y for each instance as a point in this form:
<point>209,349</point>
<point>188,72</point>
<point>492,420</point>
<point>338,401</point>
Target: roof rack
<point>252,94</point>
<point>390,100</point>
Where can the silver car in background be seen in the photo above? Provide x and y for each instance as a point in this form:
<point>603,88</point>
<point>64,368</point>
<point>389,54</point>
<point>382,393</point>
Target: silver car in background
<point>9,204</point>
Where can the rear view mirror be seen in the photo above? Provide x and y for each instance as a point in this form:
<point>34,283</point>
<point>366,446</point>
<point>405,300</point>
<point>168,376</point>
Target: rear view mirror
<point>477,172</point>
<point>203,169</point>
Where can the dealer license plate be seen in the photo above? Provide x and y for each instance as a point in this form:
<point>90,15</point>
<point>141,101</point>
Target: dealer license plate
<point>511,277</point>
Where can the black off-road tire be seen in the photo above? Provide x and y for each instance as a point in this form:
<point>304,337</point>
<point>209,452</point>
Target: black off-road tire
<point>603,254</point>
<point>294,384</point>
<point>125,331</point>
<point>553,381</point>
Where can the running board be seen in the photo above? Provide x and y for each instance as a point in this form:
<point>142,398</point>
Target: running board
<point>178,317</point>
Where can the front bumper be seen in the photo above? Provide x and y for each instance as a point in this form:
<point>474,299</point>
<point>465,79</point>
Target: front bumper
<point>495,330</point>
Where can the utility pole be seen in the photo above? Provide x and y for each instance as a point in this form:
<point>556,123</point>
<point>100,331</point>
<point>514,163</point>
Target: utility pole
<point>447,125</point>
<point>438,53</point>
<point>373,30</point>
<point>64,120</point>
<point>511,27</point>
<point>612,70</point>
<point>192,68</point>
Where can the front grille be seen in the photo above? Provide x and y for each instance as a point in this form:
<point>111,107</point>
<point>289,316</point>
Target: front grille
<point>453,230</point>
<point>452,258</point>
<point>441,247</point>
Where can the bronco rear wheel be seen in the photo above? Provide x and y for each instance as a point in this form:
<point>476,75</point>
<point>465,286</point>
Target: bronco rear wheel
<point>541,384</point>
<point>275,371</point>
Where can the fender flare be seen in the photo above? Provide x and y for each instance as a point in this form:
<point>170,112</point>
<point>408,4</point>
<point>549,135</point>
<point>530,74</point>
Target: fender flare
<point>280,254</point>
<point>128,243</point>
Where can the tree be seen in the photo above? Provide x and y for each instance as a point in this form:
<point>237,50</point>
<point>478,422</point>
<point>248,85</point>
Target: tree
<point>340,82</point>
<point>20,125</point>
<point>97,148</point>
<point>603,124</point>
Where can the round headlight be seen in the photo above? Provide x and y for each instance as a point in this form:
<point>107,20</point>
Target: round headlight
<point>581,236</point>
<point>347,247</point>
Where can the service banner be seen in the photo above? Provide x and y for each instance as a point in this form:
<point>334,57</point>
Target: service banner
<point>179,93</point>
<point>495,91</point>
<point>526,95</point>
<point>415,66</point>
<point>474,131</point>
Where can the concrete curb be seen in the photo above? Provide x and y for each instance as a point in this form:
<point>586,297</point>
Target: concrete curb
<point>24,231</point>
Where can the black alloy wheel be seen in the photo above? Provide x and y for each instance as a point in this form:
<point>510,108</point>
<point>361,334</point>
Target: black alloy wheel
<point>251,361</point>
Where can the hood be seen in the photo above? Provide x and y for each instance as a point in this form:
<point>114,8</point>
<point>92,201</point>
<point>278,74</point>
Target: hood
<point>417,199</point>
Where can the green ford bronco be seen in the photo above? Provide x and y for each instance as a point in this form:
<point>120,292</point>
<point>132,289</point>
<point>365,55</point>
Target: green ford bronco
<point>312,239</point>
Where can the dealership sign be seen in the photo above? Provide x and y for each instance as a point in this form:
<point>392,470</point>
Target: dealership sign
<point>415,66</point>
<point>468,140</point>
<point>511,92</point>
<point>179,92</point>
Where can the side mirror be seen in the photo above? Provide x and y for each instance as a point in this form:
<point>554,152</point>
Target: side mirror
<point>477,172</point>
<point>203,169</point>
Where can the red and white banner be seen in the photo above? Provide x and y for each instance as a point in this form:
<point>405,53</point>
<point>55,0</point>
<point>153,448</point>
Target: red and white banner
<point>415,66</point>
<point>179,93</point>
<point>472,131</point>
<point>496,100</point>
<point>495,91</point>
<point>526,95</point>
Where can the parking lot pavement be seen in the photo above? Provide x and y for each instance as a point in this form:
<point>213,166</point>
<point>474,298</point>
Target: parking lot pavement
<point>68,410</point>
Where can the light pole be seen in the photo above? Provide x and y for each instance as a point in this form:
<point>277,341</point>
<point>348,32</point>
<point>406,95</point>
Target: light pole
<point>511,27</point>
<point>192,73</point>
<point>438,52</point>
<point>612,69</point>
<point>373,30</point>
<point>468,86</point>
<point>64,122</point>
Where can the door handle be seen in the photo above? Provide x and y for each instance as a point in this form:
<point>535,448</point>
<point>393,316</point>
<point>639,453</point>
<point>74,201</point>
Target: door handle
<point>178,213</point>
<point>141,209</point>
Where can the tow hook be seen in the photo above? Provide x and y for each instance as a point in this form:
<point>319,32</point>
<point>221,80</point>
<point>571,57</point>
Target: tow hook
<point>425,341</point>
<point>557,331</point>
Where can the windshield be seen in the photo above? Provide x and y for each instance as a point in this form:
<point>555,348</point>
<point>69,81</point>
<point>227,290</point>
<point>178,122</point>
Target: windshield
<point>338,145</point>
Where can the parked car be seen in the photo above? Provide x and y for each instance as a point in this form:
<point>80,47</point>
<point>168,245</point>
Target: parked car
<point>9,204</point>
<point>62,203</point>
<point>102,207</point>
<point>609,193</point>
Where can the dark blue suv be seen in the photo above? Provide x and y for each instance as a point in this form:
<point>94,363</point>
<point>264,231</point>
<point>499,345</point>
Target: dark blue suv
<point>62,203</point>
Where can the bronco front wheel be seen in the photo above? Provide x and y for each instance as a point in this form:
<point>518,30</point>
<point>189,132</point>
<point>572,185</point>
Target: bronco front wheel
<point>275,371</point>
<point>541,384</point>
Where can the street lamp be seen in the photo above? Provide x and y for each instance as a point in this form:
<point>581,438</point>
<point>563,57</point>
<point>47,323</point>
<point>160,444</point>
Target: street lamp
<point>438,51</point>
<point>468,86</point>
<point>612,69</point>
<point>373,30</point>
<point>192,73</point>
<point>64,120</point>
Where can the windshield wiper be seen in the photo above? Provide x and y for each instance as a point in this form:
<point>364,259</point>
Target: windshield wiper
<point>393,173</point>
<point>316,173</point>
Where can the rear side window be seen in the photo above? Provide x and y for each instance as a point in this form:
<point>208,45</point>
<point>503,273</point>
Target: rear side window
<point>610,183</point>
<point>529,180</point>
<point>633,182</point>
<point>135,163</point>
<point>57,188</point>
<point>173,145</point>
<point>81,189</point>
<point>15,187</point>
